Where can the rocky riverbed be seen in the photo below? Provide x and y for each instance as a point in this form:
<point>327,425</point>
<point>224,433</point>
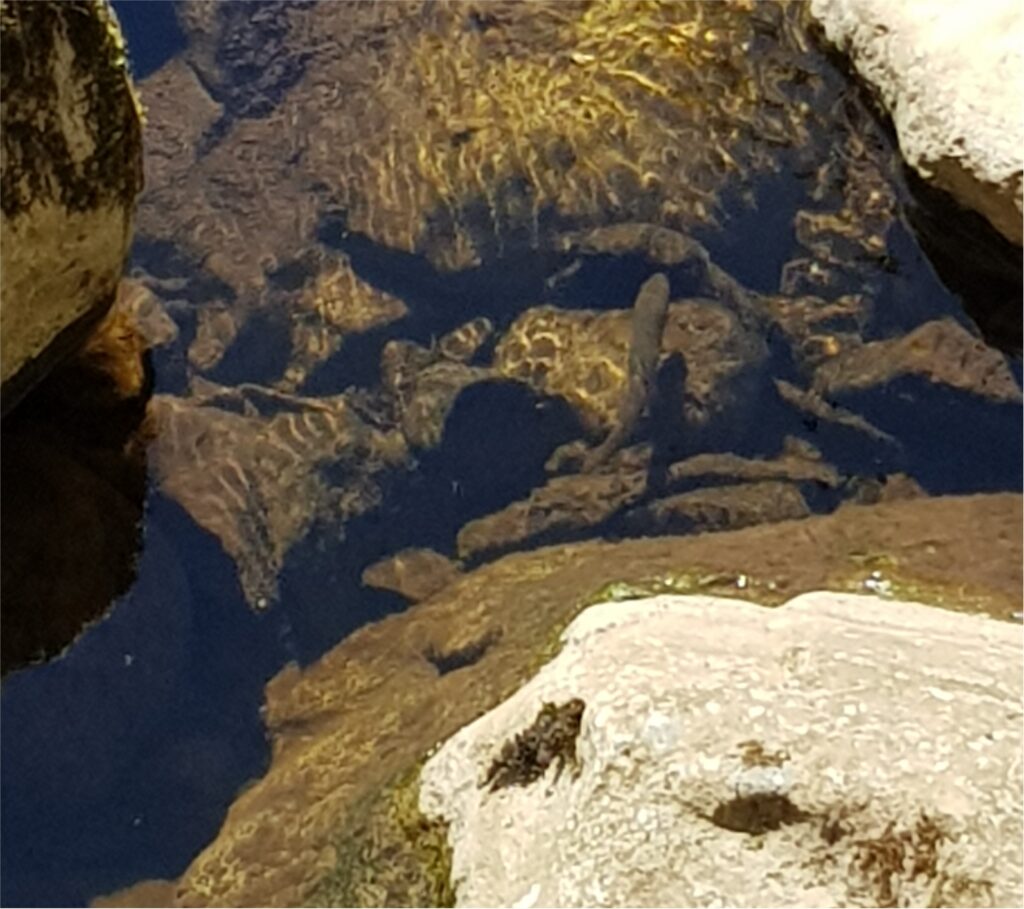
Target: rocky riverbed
<point>496,309</point>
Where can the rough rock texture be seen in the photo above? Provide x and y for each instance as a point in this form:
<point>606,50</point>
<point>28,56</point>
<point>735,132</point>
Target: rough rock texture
<point>414,573</point>
<point>583,356</point>
<point>942,352</point>
<point>72,166</point>
<point>263,496</point>
<point>711,491</point>
<point>950,76</point>
<point>842,750</point>
<point>344,728</point>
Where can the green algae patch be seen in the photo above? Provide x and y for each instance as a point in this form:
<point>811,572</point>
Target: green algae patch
<point>890,577</point>
<point>956,597</point>
<point>391,855</point>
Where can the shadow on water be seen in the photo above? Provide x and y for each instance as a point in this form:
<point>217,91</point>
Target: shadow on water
<point>758,237</point>
<point>151,32</point>
<point>497,438</point>
<point>121,757</point>
<point>261,348</point>
<point>975,262</point>
<point>951,443</point>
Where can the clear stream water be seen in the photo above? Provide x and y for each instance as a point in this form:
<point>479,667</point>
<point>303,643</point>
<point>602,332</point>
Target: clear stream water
<point>120,759</point>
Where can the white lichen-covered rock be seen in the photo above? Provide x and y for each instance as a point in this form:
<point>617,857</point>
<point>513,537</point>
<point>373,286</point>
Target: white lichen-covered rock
<point>839,750</point>
<point>951,75</point>
<point>72,167</point>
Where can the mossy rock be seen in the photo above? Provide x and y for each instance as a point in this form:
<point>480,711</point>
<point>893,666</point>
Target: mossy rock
<point>390,855</point>
<point>72,167</point>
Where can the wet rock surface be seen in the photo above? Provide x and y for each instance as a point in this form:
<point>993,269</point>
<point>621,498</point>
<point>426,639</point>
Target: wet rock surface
<point>348,726</point>
<point>72,167</point>
<point>713,762</point>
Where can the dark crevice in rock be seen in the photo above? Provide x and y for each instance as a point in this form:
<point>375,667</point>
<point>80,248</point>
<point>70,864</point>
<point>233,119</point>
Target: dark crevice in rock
<point>757,814</point>
<point>972,259</point>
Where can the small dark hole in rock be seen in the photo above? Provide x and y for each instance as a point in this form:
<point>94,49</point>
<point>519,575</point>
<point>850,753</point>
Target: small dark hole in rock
<point>756,814</point>
<point>450,660</point>
<point>833,830</point>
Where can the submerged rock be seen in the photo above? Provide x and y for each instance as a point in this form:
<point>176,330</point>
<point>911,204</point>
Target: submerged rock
<point>941,352</point>
<point>344,729</point>
<point>706,492</point>
<point>564,508</point>
<point>733,755</point>
<point>720,508</point>
<point>256,468</point>
<point>798,462</point>
<point>495,120</point>
<point>416,574</point>
<point>542,138</point>
<point>422,383</point>
<point>583,356</point>
<point>335,304</point>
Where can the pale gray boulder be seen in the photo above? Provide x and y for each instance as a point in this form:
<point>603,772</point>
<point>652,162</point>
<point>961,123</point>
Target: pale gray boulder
<point>839,750</point>
<point>951,76</point>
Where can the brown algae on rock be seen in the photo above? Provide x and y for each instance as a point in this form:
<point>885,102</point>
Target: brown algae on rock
<point>549,739</point>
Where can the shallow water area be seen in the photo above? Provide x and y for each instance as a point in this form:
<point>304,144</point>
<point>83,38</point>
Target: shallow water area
<point>301,226</point>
